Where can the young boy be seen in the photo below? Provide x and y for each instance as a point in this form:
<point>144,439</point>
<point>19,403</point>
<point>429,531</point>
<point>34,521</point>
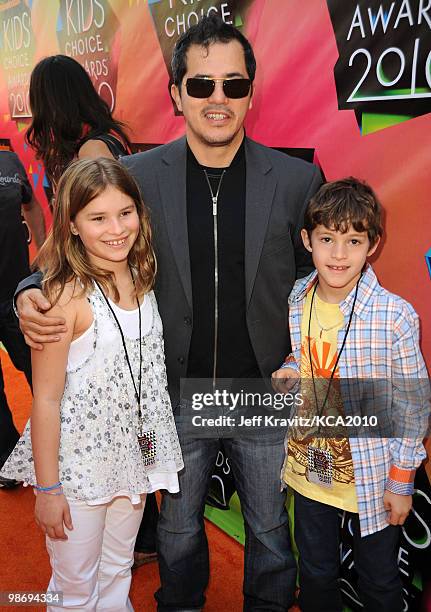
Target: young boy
<point>344,325</point>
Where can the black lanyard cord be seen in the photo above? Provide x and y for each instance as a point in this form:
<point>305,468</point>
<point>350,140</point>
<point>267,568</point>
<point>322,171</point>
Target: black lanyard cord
<point>339,354</point>
<point>138,389</point>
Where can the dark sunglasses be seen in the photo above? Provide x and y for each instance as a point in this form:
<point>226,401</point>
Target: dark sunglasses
<point>204,88</point>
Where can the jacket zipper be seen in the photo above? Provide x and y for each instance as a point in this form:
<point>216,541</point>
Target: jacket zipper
<point>214,198</point>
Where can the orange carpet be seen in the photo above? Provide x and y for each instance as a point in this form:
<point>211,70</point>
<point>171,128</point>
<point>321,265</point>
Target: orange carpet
<point>24,564</point>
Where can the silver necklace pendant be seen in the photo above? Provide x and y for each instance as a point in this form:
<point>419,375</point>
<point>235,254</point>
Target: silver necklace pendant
<point>214,196</point>
<point>322,329</point>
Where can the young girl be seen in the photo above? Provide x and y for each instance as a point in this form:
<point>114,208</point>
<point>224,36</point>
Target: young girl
<point>102,429</point>
<point>71,121</point>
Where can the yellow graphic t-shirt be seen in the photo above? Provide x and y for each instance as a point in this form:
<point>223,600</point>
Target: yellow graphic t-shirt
<point>326,321</point>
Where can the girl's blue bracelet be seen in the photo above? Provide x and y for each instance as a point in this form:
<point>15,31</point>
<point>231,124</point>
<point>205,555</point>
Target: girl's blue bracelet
<point>39,488</point>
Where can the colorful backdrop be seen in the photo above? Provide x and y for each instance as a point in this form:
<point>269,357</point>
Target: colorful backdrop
<point>346,83</point>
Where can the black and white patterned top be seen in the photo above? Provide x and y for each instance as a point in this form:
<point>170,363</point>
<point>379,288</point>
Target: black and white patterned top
<point>99,454</point>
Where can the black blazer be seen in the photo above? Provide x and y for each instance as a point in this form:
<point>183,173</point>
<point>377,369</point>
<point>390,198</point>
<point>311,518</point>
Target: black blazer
<point>278,187</point>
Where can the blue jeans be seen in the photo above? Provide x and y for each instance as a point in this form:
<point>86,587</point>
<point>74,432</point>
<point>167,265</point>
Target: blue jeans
<point>317,530</point>
<point>270,568</point>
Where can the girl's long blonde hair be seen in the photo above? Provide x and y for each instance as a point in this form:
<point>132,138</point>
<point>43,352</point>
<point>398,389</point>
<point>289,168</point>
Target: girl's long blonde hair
<point>63,257</point>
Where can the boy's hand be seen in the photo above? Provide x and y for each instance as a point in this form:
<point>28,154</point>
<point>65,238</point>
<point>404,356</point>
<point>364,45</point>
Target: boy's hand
<point>51,511</point>
<point>397,506</point>
<point>37,327</point>
<point>284,379</point>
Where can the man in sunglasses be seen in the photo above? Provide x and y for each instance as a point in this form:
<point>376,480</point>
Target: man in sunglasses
<point>227,214</point>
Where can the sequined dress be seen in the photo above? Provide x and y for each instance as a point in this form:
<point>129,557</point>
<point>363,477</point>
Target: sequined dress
<point>99,454</point>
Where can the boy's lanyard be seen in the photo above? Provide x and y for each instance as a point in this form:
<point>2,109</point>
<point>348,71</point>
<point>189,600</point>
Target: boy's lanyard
<point>319,460</point>
<point>339,354</point>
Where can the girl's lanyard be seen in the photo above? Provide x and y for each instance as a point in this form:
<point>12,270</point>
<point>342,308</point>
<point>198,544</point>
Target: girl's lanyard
<point>146,440</point>
<point>319,461</point>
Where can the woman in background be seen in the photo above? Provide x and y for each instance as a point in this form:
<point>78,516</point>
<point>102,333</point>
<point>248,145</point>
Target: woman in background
<point>70,119</point>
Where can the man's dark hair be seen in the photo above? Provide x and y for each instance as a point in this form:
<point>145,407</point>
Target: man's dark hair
<point>209,30</point>
<point>344,203</point>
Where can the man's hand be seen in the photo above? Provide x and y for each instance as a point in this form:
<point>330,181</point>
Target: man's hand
<point>38,328</point>
<point>284,379</point>
<point>397,506</point>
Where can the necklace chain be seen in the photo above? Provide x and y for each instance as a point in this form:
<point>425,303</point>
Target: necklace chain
<point>322,328</point>
<point>214,197</point>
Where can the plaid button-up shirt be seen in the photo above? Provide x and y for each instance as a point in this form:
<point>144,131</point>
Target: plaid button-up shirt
<point>383,343</point>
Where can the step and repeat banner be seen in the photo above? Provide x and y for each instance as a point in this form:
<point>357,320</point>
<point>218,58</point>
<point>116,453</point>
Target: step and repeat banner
<point>344,83</point>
